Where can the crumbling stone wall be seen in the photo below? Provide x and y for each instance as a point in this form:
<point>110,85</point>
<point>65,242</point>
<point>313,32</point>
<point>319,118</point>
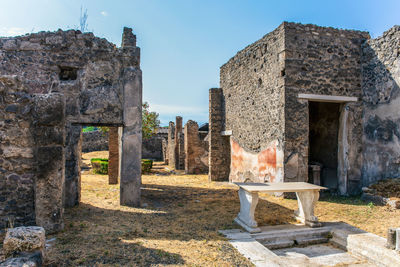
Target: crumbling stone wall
<point>253,97</point>
<point>381,97</point>
<point>261,108</point>
<point>175,146</point>
<point>94,141</point>
<point>196,150</point>
<point>322,61</point>
<point>152,148</point>
<point>63,80</point>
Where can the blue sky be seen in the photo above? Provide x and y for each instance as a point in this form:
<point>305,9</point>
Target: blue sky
<point>184,42</point>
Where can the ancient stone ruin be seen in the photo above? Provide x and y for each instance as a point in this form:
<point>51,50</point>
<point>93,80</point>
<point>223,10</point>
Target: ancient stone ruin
<point>187,149</point>
<point>52,83</point>
<point>309,103</point>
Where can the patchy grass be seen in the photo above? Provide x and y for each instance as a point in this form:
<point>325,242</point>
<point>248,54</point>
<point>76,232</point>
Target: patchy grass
<point>179,221</point>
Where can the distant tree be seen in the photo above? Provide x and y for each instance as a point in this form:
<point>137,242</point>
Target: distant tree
<point>150,122</point>
<point>83,25</point>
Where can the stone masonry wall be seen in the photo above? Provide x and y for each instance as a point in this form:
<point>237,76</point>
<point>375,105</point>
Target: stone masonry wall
<point>322,61</point>
<point>153,147</point>
<point>63,80</point>
<point>94,141</point>
<point>17,162</point>
<point>381,97</point>
<point>253,93</point>
<point>196,150</point>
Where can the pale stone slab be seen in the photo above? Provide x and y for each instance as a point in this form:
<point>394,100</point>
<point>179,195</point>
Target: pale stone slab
<point>279,187</point>
<point>327,98</point>
<point>307,196</point>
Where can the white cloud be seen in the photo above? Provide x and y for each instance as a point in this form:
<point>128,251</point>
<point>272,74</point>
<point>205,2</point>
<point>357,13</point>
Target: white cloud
<point>104,13</point>
<point>176,110</point>
<point>12,31</point>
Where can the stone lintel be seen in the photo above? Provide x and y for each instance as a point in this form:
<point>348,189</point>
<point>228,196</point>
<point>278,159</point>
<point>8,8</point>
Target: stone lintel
<point>226,133</point>
<point>327,98</point>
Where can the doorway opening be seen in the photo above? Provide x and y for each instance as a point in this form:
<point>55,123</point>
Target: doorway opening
<point>323,143</point>
<point>92,151</point>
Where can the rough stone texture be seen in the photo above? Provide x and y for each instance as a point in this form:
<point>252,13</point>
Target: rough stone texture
<point>179,154</point>
<point>94,141</point>
<point>113,155</point>
<point>17,162</point>
<point>24,239</point>
<point>219,146</point>
<point>73,152</point>
<point>34,259</point>
<point>152,148</point>
<point>196,150</point>
<point>381,80</point>
<point>260,104</point>
<point>323,61</point>
<point>253,96</point>
<point>171,145</point>
<point>175,147</point>
<point>62,80</point>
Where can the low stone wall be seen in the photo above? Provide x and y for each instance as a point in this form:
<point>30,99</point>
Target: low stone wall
<point>152,148</point>
<point>94,141</point>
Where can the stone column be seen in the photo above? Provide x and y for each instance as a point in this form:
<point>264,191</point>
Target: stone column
<point>178,136</point>
<point>171,145</point>
<point>219,146</point>
<point>113,155</point>
<point>132,119</point>
<point>48,125</point>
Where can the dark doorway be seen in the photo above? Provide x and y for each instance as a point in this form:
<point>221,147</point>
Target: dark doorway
<point>323,140</point>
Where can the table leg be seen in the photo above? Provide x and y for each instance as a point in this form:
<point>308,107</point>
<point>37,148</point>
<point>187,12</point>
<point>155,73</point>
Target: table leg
<point>248,203</point>
<point>305,213</point>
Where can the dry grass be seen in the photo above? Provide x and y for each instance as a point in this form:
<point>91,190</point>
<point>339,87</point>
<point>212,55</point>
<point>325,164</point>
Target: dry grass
<point>179,221</point>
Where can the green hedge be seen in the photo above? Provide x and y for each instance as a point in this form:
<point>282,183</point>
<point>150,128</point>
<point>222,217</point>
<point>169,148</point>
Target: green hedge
<point>100,166</point>
<point>147,164</point>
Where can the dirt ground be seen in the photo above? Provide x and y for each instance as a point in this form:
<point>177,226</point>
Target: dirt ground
<point>179,221</point>
<point>389,188</point>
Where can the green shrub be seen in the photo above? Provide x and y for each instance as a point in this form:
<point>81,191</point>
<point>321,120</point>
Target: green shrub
<point>100,166</point>
<point>147,164</point>
<point>89,129</point>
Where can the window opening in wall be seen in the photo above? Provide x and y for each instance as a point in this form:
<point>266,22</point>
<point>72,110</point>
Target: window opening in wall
<point>68,73</point>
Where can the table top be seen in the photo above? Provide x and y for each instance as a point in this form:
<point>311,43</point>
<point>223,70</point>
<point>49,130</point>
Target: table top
<point>279,187</point>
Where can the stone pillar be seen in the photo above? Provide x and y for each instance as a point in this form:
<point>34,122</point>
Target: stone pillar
<point>190,133</point>
<point>171,145</point>
<point>73,148</point>
<point>219,146</point>
<point>194,149</point>
<point>178,136</point>
<point>165,151</point>
<point>181,153</point>
<point>132,119</point>
<point>113,155</point>
<point>48,125</point>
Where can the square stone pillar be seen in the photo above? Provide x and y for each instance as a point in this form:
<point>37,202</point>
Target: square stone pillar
<point>113,155</point>
<point>219,146</point>
<point>73,151</point>
<point>131,153</point>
